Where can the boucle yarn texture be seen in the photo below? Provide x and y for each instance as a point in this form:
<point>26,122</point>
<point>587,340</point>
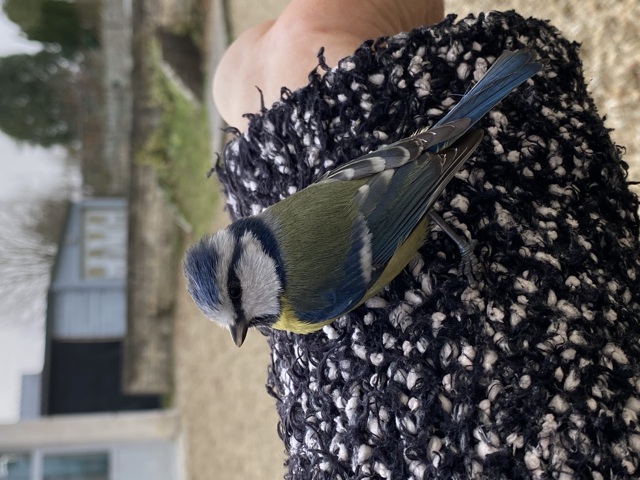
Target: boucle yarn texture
<point>532,373</point>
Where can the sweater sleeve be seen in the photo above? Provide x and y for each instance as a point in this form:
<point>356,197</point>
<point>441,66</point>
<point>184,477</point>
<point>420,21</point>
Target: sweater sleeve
<point>532,373</point>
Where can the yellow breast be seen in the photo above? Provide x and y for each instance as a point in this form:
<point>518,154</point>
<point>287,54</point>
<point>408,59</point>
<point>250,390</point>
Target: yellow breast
<point>289,322</point>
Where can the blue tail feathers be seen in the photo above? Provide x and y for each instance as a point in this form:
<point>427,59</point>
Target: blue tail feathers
<point>507,72</point>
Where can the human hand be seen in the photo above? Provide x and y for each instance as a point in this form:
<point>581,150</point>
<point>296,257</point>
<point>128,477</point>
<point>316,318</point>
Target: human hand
<point>282,52</point>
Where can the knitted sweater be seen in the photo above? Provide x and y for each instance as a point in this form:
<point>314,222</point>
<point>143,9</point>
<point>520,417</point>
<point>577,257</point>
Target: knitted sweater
<point>533,372</point>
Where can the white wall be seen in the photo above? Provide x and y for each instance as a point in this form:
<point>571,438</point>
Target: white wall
<point>151,460</point>
<point>140,445</point>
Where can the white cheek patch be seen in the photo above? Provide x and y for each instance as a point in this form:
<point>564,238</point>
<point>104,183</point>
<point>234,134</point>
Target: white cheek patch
<point>224,318</point>
<point>259,279</point>
<point>223,243</point>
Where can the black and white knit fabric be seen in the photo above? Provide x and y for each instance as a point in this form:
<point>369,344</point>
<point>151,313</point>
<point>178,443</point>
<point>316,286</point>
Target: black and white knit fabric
<point>531,374</point>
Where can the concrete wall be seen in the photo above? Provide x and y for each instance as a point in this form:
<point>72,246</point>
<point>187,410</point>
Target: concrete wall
<point>118,64</point>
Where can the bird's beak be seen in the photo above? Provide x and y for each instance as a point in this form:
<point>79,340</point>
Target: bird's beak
<point>239,331</point>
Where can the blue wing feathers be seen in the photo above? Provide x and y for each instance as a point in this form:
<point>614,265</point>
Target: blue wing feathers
<point>390,206</point>
<point>413,193</point>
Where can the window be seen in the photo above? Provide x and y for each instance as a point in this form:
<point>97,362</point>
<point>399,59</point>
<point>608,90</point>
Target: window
<point>105,243</point>
<point>88,466</point>
<point>15,466</point>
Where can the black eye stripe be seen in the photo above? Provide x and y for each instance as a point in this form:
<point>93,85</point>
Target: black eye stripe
<point>234,287</point>
<point>235,290</point>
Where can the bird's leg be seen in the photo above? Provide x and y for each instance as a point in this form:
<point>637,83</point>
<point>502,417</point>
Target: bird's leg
<point>468,262</point>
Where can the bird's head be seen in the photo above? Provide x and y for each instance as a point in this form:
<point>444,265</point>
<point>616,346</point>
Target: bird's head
<point>235,278</point>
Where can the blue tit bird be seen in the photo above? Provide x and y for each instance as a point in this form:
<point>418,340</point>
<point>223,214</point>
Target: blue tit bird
<point>328,248</point>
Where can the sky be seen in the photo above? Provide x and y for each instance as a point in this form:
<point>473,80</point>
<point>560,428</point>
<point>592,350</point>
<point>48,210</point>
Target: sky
<point>27,173</point>
<point>11,39</point>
